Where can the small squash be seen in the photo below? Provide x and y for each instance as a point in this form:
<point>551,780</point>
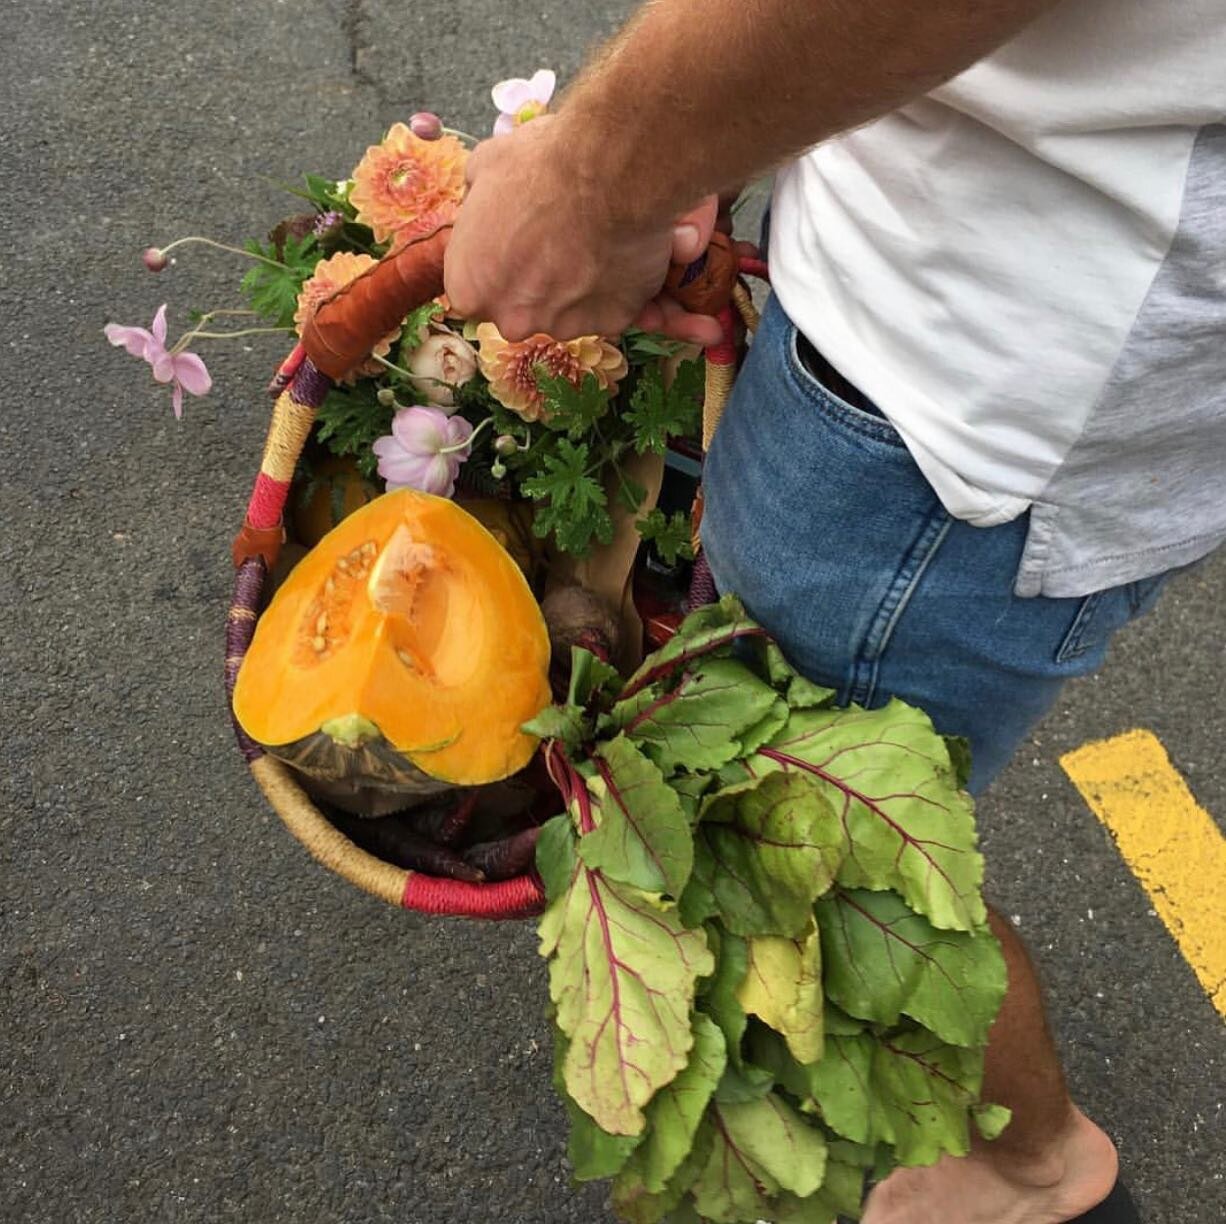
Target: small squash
<point>405,650</point>
<point>336,489</point>
<point>510,523</point>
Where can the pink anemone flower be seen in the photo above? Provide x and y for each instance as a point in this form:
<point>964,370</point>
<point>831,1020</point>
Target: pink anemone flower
<point>184,371</point>
<point>520,100</point>
<point>424,450</point>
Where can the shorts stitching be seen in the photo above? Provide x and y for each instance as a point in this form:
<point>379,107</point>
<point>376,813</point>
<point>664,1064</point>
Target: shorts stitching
<point>904,586</point>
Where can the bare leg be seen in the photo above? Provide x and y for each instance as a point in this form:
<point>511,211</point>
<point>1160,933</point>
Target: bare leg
<point>1051,1164</point>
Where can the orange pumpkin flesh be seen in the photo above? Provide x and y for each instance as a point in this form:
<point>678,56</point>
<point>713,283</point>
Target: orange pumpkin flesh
<point>407,642</point>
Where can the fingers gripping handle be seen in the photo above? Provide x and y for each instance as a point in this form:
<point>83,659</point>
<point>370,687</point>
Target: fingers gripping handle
<point>351,322</point>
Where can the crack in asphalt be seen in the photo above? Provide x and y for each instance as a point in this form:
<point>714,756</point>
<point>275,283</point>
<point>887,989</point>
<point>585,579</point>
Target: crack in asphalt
<point>353,19</point>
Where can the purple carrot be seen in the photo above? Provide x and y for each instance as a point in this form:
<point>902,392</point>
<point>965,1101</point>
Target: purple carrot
<point>393,839</point>
<point>507,857</point>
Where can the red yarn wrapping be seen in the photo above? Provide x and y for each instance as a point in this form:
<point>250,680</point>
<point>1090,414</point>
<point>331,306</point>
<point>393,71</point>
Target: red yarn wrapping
<point>267,501</point>
<point>724,353</point>
<point>520,897</point>
<point>754,267</point>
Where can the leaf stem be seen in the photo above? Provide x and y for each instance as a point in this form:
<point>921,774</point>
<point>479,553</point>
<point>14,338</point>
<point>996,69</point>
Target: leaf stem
<point>391,365</point>
<point>221,246</point>
<point>196,334</point>
<point>462,136</point>
<point>472,437</point>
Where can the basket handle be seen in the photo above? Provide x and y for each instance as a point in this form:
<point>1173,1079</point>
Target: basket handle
<point>352,321</point>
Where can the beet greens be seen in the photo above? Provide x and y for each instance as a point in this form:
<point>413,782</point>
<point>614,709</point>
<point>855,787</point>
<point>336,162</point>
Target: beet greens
<point>769,962</point>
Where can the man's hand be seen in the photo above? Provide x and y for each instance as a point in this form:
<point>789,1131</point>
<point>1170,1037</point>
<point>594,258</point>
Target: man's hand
<point>543,244</point>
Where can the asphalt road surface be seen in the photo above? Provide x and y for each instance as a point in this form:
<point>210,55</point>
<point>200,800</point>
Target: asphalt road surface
<point>198,1023</point>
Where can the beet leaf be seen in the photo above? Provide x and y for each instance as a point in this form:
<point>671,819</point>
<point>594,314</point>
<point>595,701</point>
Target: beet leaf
<point>622,975</point>
<point>884,961</point>
<point>774,849</point>
<point>890,778</point>
<point>642,837</point>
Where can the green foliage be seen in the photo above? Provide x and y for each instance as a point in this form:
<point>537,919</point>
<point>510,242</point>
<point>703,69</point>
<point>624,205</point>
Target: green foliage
<point>657,413</point>
<point>351,419</point>
<point>569,409</point>
<point>748,1027</point>
<point>272,285</point>
<point>574,503</point>
<point>670,534</point>
<point>416,324</point>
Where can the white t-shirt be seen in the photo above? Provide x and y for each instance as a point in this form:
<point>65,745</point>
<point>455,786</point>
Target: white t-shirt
<point>978,262</point>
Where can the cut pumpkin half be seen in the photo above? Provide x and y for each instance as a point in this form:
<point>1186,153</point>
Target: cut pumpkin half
<point>405,650</point>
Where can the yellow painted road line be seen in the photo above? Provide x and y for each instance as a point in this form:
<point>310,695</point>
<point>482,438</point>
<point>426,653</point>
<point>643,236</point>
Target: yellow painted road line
<point>1168,840</point>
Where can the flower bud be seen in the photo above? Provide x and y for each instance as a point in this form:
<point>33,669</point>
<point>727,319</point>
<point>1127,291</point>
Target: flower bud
<point>440,363</point>
<point>153,259</point>
<point>386,396</point>
<point>426,125</point>
<point>498,469</point>
<point>504,444</point>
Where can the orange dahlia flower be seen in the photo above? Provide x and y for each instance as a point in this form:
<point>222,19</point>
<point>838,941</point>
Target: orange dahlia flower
<point>511,365</point>
<point>405,184</point>
<point>329,275</point>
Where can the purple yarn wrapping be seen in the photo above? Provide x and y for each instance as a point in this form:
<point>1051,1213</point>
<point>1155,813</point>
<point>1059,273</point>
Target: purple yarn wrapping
<point>248,586</point>
<point>310,386</point>
<point>702,585</point>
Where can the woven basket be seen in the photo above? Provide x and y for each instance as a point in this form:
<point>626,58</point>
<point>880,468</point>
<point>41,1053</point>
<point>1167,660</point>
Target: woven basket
<point>341,334</point>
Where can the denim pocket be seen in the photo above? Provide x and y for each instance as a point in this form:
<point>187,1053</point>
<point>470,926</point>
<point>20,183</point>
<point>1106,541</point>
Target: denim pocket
<point>838,410</point>
<point>1100,615</point>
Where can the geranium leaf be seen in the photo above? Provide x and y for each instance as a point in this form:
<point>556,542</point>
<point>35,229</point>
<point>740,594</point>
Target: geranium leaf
<point>697,724</point>
<point>783,988</point>
<point>622,975</point>
<point>775,848</point>
<point>643,837</point>
<point>922,1091</point>
<point>883,961</point>
<point>658,413</point>
<point>677,1109</point>
<point>671,534</point>
<point>760,1148</point>
<point>889,777</point>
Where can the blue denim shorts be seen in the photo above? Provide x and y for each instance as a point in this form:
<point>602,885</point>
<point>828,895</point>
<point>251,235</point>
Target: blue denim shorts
<point>818,518</point>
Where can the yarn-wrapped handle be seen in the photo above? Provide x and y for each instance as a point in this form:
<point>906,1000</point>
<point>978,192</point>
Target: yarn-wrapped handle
<point>354,319</point>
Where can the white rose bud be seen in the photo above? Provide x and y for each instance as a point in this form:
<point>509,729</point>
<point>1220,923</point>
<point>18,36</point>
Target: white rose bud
<point>440,363</point>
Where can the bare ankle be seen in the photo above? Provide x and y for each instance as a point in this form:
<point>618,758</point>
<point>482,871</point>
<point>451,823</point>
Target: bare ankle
<point>1034,1159</point>
<point>1077,1150</point>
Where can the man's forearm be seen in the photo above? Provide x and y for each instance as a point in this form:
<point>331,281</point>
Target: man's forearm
<point>696,95</point>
